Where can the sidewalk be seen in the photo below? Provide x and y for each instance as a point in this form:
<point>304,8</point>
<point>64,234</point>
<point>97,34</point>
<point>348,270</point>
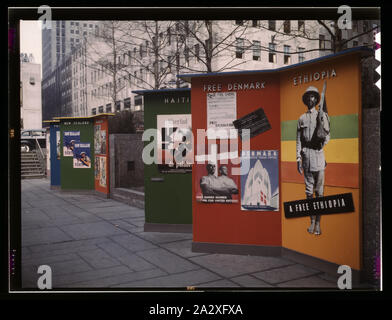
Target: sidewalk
<point>90,242</point>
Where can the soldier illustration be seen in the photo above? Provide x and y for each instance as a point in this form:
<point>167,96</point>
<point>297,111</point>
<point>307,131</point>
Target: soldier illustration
<point>85,159</point>
<point>312,135</point>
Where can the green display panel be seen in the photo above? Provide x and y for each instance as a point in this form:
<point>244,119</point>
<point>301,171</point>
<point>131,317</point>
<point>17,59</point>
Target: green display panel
<point>168,194</point>
<point>77,154</point>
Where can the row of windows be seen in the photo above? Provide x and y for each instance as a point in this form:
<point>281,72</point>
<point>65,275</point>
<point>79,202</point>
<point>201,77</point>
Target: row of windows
<point>256,51</point>
<point>126,106</point>
<point>287,25</point>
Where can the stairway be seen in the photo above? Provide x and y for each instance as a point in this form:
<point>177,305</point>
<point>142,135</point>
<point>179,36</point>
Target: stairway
<point>30,166</point>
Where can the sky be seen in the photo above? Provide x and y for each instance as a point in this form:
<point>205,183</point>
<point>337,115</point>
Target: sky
<point>30,39</point>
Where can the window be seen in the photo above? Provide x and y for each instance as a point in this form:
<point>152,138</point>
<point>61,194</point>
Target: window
<point>286,26</point>
<point>272,25</point>
<point>138,100</point>
<point>301,25</point>
<point>365,26</point>
<point>256,50</point>
<point>301,55</point>
<point>287,56</point>
<point>85,25</point>
<point>72,31</point>
<point>77,23</point>
<point>100,109</point>
<point>94,111</point>
<point>255,23</point>
<point>272,54</point>
<point>77,31</point>
<point>239,50</point>
<point>90,25</point>
<point>127,103</point>
<point>197,51</point>
<point>321,41</point>
<point>355,43</point>
<point>109,107</point>
<point>186,55</point>
<point>169,36</point>
<point>118,105</point>
<point>169,63</point>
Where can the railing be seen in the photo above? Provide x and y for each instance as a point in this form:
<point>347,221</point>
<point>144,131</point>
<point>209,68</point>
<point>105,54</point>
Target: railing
<point>41,156</point>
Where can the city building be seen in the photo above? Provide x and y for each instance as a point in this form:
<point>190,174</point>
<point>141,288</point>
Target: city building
<point>57,42</point>
<point>30,93</point>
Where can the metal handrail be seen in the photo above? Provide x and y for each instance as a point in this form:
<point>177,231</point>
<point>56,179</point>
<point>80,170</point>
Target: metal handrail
<point>41,156</point>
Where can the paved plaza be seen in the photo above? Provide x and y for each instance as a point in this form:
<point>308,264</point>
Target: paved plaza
<point>91,242</point>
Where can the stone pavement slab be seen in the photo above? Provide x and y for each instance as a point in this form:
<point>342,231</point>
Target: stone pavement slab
<point>167,261</point>
<point>163,237</point>
<point>249,281</point>
<point>228,265</point>
<point>309,282</point>
<point>91,230</point>
<point>69,280</point>
<point>224,283</point>
<point>189,278</point>
<point>98,259</point>
<point>131,260</point>
<point>119,280</point>
<point>182,248</point>
<point>43,235</point>
<point>284,274</point>
<point>133,243</point>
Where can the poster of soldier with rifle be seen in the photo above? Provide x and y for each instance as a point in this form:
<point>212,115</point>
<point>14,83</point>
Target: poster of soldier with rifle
<point>313,133</point>
<point>82,156</point>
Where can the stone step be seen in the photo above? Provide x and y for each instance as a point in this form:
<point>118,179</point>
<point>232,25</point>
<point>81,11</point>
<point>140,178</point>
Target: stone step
<point>128,196</point>
<point>32,176</point>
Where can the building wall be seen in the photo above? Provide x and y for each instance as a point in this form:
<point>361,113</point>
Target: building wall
<point>126,148</point>
<point>31,104</point>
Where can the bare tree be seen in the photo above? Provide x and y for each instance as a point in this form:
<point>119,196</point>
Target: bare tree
<point>105,56</point>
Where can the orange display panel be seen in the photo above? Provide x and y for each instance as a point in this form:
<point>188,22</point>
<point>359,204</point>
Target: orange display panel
<point>340,238</point>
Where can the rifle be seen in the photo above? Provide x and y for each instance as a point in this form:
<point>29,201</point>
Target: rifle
<point>320,133</point>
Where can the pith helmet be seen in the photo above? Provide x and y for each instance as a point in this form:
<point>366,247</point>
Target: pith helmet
<point>309,90</point>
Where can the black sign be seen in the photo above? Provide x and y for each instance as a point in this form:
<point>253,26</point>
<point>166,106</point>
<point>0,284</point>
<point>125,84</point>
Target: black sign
<point>177,168</point>
<point>256,121</point>
<point>338,203</point>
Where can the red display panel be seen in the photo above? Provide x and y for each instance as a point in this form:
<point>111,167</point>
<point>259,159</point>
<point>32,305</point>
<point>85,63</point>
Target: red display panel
<point>226,222</point>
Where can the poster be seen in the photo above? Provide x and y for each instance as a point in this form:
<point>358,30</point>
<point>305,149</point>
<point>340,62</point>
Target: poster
<point>82,155</point>
<point>260,184</point>
<point>58,144</point>
<point>175,143</point>
<point>69,141</point>
<point>102,171</point>
<point>215,183</point>
<point>96,168</point>
<point>99,140</point>
<point>221,112</point>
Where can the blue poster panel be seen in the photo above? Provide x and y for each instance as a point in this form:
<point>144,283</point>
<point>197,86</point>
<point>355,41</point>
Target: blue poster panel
<point>260,180</point>
<point>69,140</point>
<point>82,155</point>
